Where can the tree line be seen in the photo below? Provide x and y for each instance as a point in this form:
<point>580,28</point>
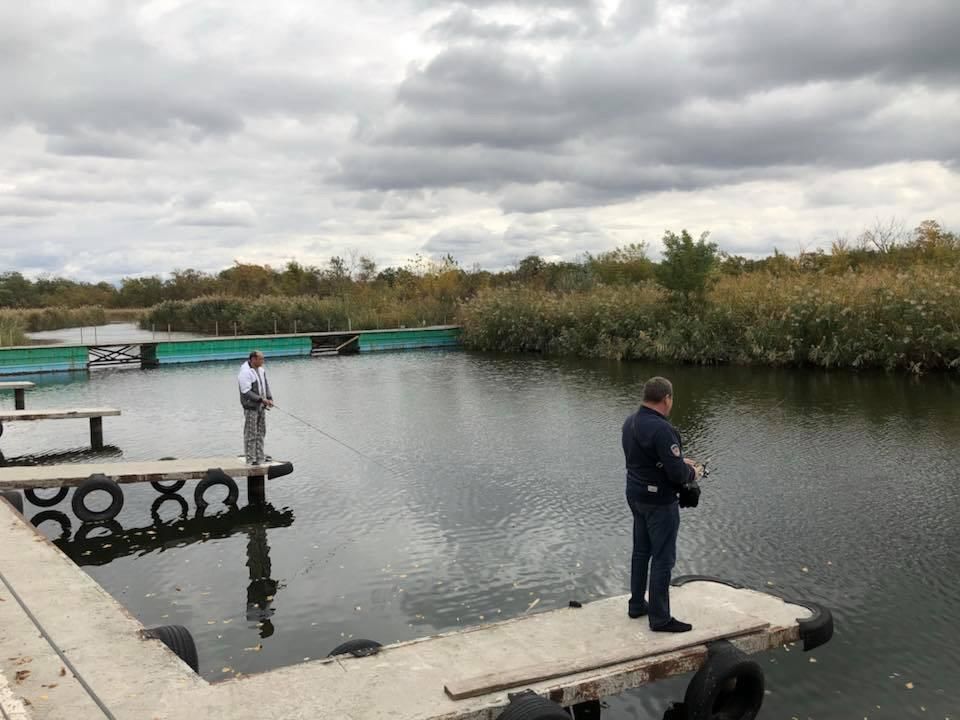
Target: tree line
<point>688,268</point>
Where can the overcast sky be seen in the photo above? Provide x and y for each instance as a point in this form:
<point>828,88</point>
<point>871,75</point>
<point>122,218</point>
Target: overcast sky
<point>139,137</point>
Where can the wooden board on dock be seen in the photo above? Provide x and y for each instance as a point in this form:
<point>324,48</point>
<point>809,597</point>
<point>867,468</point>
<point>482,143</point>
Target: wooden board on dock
<point>72,474</point>
<point>523,647</point>
<point>15,415</point>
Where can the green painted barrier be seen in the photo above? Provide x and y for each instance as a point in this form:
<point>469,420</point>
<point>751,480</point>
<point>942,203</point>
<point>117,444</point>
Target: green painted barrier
<point>42,358</point>
<point>409,339</point>
<point>187,351</point>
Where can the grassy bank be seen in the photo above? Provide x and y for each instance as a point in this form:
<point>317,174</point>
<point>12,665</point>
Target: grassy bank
<point>11,330</point>
<point>883,319</point>
<point>15,324</point>
<point>224,314</point>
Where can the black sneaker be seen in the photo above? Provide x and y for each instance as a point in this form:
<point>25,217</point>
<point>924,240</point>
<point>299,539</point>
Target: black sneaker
<point>634,614</point>
<point>674,626</point>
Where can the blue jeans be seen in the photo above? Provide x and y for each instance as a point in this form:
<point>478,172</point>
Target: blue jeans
<point>655,545</point>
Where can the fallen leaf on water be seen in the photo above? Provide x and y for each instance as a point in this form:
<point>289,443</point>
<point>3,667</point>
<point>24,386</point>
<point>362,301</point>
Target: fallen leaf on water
<point>256,648</point>
<point>226,670</point>
<point>813,660</point>
<point>909,686</point>
<point>804,568</point>
<point>532,605</point>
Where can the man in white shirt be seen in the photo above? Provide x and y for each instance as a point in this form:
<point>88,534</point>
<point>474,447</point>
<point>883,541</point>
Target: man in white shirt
<point>255,397</point>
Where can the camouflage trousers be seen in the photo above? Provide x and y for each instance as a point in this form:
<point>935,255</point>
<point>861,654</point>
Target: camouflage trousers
<point>254,431</point>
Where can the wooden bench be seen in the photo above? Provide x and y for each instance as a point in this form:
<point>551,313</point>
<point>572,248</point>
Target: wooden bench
<point>19,389</point>
<point>95,415</point>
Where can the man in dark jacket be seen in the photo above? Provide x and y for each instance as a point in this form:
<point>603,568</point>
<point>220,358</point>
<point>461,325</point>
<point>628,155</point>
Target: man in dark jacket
<point>255,398</point>
<point>656,473</point>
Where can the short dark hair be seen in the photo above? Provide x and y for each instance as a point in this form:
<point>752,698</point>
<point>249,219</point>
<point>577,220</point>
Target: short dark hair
<point>656,389</point>
<point>253,354</point>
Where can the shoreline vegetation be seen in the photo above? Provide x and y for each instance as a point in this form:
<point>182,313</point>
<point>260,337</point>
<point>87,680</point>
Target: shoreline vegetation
<point>887,299</point>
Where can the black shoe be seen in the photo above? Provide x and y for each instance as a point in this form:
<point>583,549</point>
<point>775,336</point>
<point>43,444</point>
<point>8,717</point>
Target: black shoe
<point>634,614</point>
<point>674,626</point>
<point>267,458</point>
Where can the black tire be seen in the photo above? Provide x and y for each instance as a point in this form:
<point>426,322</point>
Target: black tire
<point>48,501</point>
<point>728,686</point>
<point>155,508</point>
<point>56,516</point>
<point>14,498</point>
<point>167,489</point>
<point>91,484</point>
<point>279,470</point>
<point>178,639</point>
<point>216,477</point>
<point>172,487</point>
<point>530,706</point>
<point>358,647</point>
<point>112,527</point>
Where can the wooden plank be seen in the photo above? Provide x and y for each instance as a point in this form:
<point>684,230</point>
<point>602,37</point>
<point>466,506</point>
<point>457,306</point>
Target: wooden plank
<point>652,644</point>
<point>17,386</point>
<point>72,474</point>
<point>15,415</point>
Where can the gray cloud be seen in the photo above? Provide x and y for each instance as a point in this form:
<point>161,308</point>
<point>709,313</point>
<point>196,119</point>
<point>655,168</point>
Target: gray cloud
<point>488,128</point>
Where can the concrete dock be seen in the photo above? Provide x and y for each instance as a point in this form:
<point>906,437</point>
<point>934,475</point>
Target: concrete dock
<point>19,392</point>
<point>73,474</point>
<point>88,658</point>
<point>95,415</point>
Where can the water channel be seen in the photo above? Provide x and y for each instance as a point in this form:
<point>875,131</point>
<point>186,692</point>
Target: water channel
<point>505,488</point>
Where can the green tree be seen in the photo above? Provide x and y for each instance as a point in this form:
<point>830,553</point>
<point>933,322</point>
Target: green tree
<point>687,268</point>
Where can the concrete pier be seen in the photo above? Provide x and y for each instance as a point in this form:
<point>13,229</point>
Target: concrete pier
<point>19,392</point>
<point>88,658</point>
<point>95,416</point>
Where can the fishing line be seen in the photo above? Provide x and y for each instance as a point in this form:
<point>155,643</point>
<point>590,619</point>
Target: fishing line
<point>339,442</point>
<point>336,549</point>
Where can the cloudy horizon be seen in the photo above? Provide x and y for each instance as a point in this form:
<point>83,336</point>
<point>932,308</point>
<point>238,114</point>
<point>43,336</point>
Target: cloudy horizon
<point>140,137</point>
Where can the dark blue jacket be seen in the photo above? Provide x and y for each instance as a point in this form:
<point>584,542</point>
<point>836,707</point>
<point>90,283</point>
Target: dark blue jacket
<point>654,458</point>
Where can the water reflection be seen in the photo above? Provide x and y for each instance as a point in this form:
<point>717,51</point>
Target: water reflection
<point>103,543</point>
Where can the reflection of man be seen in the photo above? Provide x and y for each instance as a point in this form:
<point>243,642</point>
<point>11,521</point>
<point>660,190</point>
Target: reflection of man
<point>255,397</point>
<point>656,473</point>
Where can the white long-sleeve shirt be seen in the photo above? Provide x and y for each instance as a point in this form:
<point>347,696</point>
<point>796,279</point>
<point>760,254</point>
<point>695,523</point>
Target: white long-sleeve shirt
<point>253,380</point>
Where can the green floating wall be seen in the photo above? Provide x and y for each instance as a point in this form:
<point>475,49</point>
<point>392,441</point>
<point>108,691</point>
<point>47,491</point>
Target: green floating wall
<point>409,339</point>
<point>187,351</point>
<point>42,358</point>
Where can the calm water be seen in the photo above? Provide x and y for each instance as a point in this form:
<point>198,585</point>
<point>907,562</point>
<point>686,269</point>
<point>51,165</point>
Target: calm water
<point>507,487</point>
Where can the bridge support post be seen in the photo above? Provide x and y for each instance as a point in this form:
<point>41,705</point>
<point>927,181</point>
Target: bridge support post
<point>256,490</point>
<point>96,433</point>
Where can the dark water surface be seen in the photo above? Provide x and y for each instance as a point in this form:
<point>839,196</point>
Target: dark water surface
<point>508,488</point>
